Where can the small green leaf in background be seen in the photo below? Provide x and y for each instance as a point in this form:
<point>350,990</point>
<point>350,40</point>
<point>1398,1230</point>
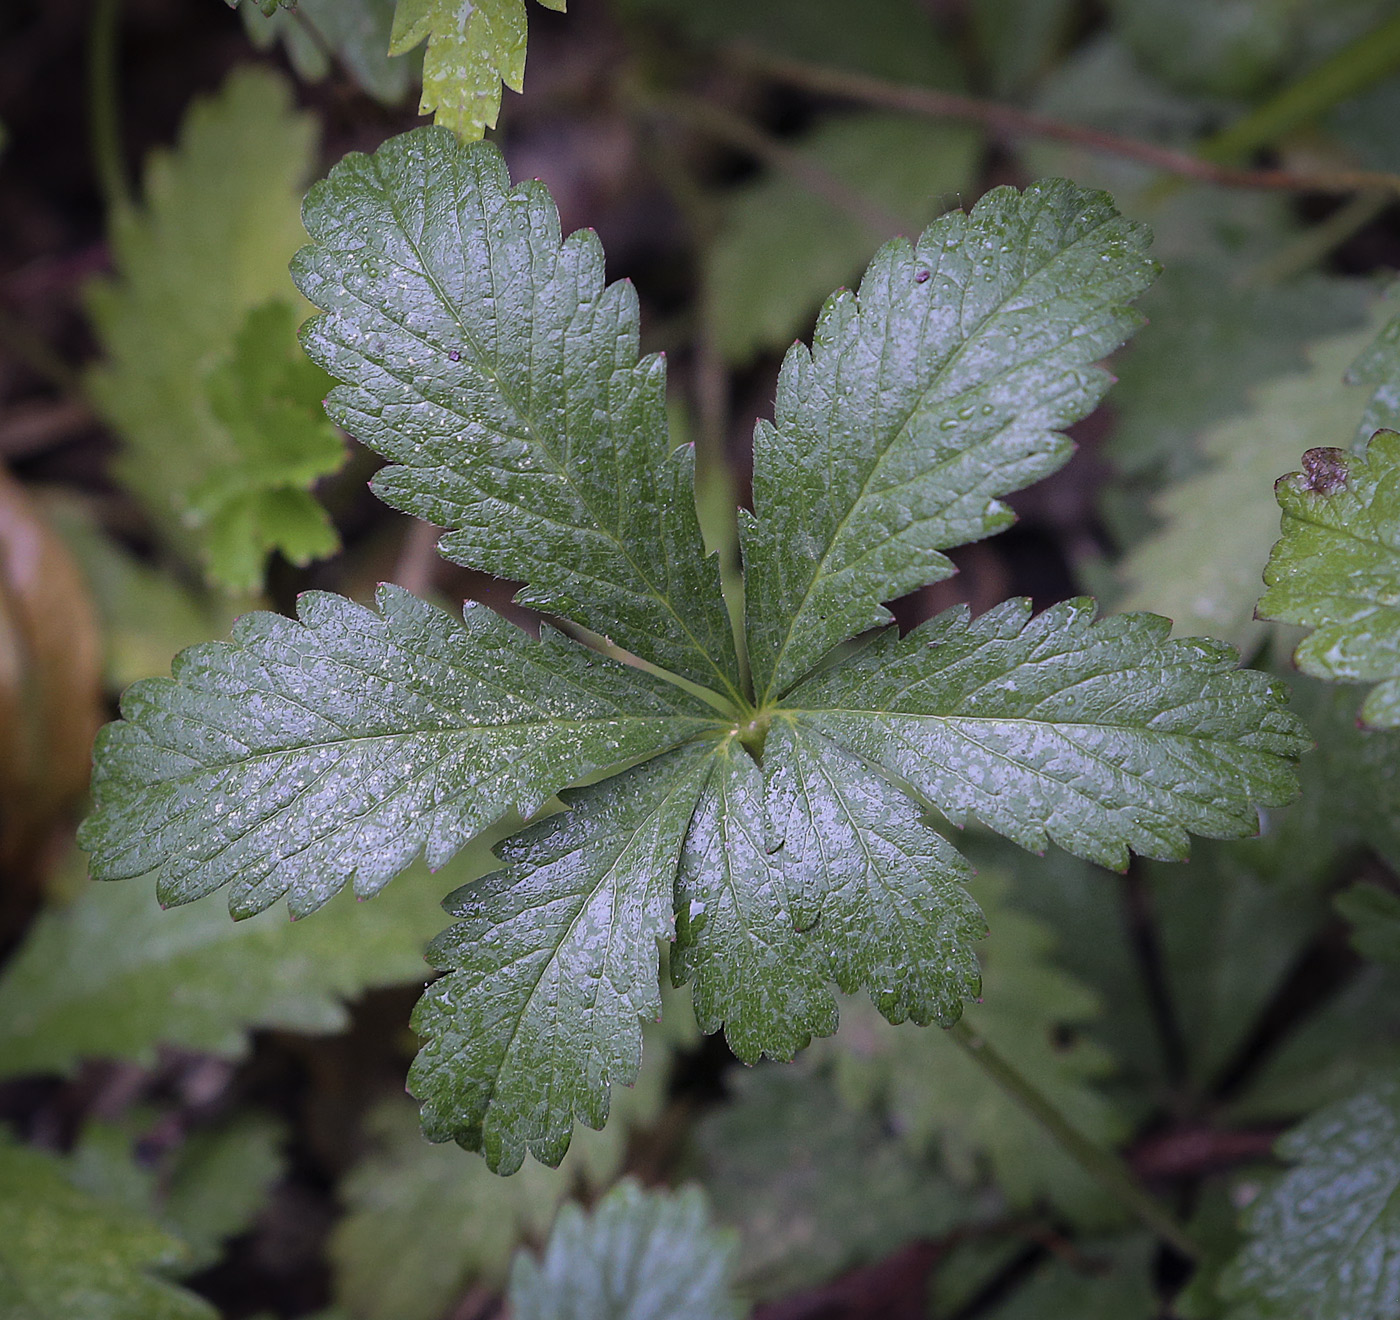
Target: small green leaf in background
<point>65,1253</point>
<point>781,249</point>
<point>1336,569</point>
<point>813,1186</point>
<point>211,1187</point>
<point>111,975</point>
<point>473,47</point>
<point>940,1100</point>
<point>1107,1280</point>
<point>355,33</point>
<point>637,1256</point>
<point>1374,914</point>
<point>1202,568</point>
<point>423,1223</point>
<point>267,396</point>
<point>183,338</point>
<point>1324,1240</point>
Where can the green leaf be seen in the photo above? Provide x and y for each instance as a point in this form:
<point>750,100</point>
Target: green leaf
<point>941,1100</point>
<point>473,47</point>
<point>267,396</point>
<point>1336,569</point>
<point>498,373</point>
<point>300,757</point>
<point>751,970</point>
<point>65,1253</point>
<point>940,387</point>
<point>112,976</point>
<point>814,1187</point>
<point>1110,1280</point>
<point>1374,914</point>
<point>876,888</point>
<point>1202,568</point>
<point>553,963</point>
<point>423,1223</point>
<point>198,326</point>
<point>780,248</point>
<point>638,1256</point>
<point>212,1186</point>
<point>1098,736</point>
<point>1201,356</point>
<point>1324,1241</point>
<point>353,32</point>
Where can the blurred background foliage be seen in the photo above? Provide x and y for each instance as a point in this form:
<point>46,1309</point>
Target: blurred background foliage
<point>216,1109</point>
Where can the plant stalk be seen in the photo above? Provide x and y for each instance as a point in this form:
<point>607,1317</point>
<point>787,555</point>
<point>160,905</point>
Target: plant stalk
<point>1101,1165</point>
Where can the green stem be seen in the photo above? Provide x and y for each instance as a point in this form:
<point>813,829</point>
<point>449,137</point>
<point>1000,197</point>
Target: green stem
<point>1371,57</point>
<point>1316,244</point>
<point>104,108</point>
<point>1102,1165</point>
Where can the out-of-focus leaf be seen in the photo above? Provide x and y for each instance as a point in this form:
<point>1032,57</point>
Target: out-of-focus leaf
<point>781,249</point>
<point>1019,39</point>
<point>267,396</point>
<point>64,1253</point>
<point>893,39</point>
<point>940,1099</point>
<point>147,612</point>
<point>50,679</point>
<point>1227,940</point>
<point>209,1188</point>
<point>1109,1280</point>
<point>1203,351</point>
<point>424,1221</point>
<point>812,1186</point>
<point>1374,914</point>
<point>113,976</point>
<point>198,327</point>
<point>1324,1241</point>
<point>1202,569</point>
<point>638,1256</point>
<point>473,47</point>
<point>1336,569</point>
<point>353,33</point>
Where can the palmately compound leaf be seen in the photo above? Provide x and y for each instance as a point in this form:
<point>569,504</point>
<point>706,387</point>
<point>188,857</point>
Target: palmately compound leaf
<point>500,375</point>
<point>877,890</point>
<point>938,388</point>
<point>738,945</point>
<point>218,411</point>
<point>1324,1241</point>
<point>553,964</point>
<point>111,976</point>
<point>638,1256</point>
<point>302,756</point>
<point>66,1253</point>
<point>1336,569</point>
<point>1098,736</point>
<point>473,47</point>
